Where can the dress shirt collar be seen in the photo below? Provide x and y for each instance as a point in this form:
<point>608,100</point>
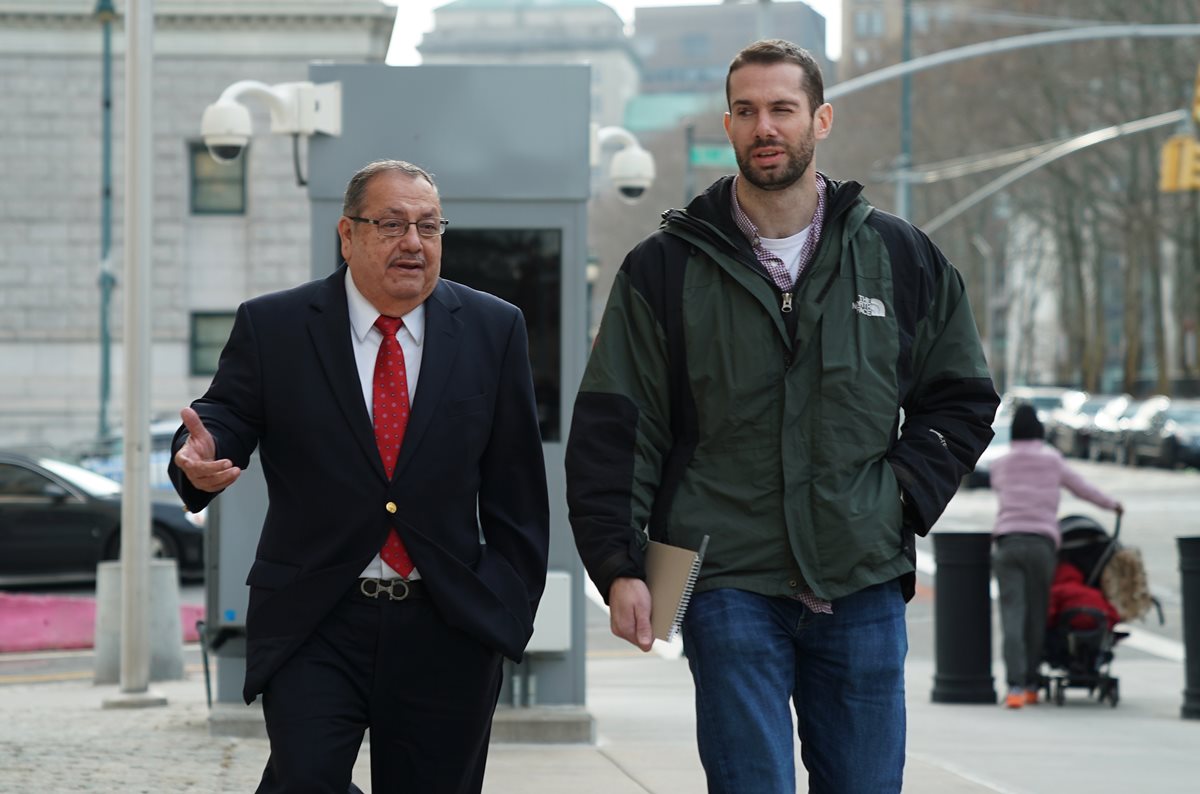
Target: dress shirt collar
<point>750,230</point>
<point>363,315</point>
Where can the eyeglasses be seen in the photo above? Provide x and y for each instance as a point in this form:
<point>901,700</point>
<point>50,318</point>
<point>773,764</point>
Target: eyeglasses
<point>398,227</point>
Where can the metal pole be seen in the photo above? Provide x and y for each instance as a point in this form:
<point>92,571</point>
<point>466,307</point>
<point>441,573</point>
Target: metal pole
<point>689,170</point>
<point>1062,150</point>
<point>106,13</point>
<point>135,502</point>
<point>763,19</point>
<point>997,46</point>
<point>1189,571</point>
<point>904,161</point>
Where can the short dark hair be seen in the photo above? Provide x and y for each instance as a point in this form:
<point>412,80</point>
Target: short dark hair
<point>356,189</point>
<point>771,51</point>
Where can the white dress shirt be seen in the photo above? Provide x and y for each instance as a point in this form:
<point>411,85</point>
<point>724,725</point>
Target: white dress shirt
<point>365,339</point>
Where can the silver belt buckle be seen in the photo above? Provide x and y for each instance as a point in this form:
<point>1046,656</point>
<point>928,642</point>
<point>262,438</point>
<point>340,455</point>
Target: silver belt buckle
<point>374,588</point>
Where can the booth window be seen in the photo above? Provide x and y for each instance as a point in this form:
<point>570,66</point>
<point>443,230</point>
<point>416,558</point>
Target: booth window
<point>210,331</point>
<point>217,188</point>
<point>523,267</point>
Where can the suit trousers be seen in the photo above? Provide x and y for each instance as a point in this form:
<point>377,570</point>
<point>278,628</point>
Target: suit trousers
<point>425,690</point>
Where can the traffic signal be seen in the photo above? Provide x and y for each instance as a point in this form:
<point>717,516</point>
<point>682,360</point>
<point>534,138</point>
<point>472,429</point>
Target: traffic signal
<point>1180,164</point>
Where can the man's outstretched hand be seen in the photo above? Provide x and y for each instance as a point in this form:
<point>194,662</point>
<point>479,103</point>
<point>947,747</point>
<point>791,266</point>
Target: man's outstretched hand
<point>196,457</point>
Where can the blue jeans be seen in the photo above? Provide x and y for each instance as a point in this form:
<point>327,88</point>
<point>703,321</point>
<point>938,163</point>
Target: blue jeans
<point>843,672</point>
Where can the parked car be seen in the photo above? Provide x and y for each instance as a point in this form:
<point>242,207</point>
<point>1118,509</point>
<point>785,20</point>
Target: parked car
<point>1071,426</point>
<point>58,520</point>
<point>1168,434</point>
<point>1106,439</point>
<point>1044,398</point>
<point>981,477</point>
<point>107,457</point>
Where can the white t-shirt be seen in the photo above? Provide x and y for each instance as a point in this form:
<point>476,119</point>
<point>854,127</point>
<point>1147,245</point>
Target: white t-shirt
<point>787,249</point>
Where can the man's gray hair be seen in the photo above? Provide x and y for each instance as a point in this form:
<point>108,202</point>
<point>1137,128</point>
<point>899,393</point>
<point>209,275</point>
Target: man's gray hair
<point>356,189</point>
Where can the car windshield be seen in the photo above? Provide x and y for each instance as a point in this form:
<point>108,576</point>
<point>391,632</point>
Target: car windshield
<point>1094,405</point>
<point>1043,403</point>
<point>89,481</point>
<point>1185,416</point>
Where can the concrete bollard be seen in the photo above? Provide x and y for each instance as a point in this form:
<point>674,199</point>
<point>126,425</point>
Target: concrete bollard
<point>962,618</point>
<point>1189,573</point>
<point>165,630</point>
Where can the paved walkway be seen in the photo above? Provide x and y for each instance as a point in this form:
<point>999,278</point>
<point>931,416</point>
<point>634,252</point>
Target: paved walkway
<point>56,737</point>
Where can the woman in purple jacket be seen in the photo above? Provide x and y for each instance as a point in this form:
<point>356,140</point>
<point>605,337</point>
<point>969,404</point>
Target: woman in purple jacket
<point>1028,482</point>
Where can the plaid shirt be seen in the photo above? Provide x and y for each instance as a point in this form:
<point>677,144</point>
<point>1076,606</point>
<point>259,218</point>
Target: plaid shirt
<point>773,264</point>
<point>779,274</point>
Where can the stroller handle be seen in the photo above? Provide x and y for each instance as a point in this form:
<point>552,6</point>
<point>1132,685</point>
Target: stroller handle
<point>1117,527</point>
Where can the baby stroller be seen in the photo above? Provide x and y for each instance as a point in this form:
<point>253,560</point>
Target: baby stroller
<point>1080,636</point>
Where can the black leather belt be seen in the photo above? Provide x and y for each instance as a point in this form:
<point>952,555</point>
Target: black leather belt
<point>390,589</point>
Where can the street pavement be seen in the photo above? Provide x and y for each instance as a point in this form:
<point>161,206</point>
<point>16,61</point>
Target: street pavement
<point>55,736</point>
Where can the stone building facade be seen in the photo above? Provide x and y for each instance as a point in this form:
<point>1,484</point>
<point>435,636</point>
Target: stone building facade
<point>205,262</point>
<point>540,32</point>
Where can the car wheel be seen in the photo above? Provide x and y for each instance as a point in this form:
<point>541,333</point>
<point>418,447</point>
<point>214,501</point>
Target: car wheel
<point>162,545</point>
<point>1170,457</point>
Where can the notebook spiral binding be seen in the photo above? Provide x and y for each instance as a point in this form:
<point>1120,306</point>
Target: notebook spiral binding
<point>686,597</point>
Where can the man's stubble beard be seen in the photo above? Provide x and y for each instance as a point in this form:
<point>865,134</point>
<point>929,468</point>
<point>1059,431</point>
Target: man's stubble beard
<point>798,161</point>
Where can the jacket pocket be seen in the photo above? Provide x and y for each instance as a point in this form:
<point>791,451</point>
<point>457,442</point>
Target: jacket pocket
<point>271,575</point>
<point>859,399</point>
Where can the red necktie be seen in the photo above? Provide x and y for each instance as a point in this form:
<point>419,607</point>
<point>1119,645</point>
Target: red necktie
<point>390,409</point>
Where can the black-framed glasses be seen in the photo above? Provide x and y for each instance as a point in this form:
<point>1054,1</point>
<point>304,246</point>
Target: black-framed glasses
<point>398,227</point>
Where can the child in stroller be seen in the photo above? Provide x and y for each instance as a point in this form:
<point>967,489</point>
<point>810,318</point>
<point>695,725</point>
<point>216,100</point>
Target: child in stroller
<point>1096,585</point>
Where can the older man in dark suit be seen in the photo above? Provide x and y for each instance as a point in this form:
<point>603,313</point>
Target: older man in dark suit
<point>404,549</point>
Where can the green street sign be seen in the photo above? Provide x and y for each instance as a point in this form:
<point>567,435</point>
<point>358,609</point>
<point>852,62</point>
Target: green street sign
<point>712,155</point>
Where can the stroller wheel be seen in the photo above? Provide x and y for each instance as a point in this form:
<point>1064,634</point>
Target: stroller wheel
<point>1113,694</point>
<point>1060,694</point>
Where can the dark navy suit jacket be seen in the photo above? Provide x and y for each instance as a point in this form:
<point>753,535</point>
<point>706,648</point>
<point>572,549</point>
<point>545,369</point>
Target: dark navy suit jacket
<point>470,466</point>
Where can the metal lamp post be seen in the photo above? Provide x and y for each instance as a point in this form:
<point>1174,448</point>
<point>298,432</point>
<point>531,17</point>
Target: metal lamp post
<point>106,13</point>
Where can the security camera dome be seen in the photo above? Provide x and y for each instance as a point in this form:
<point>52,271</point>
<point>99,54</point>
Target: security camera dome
<point>632,173</point>
<point>226,128</point>
<point>226,153</point>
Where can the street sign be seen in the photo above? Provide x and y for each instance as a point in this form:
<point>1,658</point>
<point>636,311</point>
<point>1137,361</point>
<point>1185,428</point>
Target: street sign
<point>712,155</point>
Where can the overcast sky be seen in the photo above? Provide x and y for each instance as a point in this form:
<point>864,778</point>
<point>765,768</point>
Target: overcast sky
<point>416,17</point>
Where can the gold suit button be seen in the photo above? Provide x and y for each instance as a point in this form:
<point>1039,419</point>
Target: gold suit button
<point>390,507</point>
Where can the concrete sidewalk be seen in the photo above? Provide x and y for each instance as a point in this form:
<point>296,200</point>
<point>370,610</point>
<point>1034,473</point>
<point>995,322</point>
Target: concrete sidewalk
<point>56,737</point>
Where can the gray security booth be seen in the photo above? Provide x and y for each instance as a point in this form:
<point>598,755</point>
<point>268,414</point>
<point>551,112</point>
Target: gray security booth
<point>509,148</point>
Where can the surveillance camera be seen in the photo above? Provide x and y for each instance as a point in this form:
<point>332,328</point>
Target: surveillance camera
<point>632,172</point>
<point>226,128</point>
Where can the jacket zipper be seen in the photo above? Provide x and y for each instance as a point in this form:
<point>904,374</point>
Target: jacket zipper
<point>785,305</point>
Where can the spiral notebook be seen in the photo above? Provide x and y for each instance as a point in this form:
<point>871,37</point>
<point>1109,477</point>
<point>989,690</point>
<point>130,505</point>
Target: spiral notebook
<point>671,574</point>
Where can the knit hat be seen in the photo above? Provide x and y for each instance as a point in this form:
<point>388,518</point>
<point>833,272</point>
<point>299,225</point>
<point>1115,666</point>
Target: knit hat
<point>1025,423</point>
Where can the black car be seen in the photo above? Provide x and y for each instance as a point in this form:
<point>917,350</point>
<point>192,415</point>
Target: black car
<point>1169,436</point>
<point>57,521</point>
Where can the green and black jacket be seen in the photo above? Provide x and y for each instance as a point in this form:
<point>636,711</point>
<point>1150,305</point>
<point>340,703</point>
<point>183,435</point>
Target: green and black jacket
<point>715,404</point>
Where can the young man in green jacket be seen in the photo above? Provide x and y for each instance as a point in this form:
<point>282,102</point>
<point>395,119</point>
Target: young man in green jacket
<point>747,384</point>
